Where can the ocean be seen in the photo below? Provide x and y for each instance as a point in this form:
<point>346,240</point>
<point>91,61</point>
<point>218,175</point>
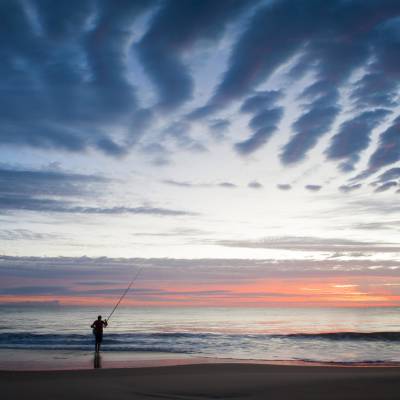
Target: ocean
<point>340,335</point>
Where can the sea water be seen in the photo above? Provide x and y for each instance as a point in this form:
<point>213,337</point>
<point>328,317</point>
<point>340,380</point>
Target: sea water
<point>340,335</point>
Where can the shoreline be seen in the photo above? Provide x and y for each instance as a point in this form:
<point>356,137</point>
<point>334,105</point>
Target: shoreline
<point>206,381</point>
<point>65,360</point>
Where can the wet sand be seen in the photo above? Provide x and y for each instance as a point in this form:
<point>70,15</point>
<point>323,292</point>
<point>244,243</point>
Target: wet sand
<point>205,381</point>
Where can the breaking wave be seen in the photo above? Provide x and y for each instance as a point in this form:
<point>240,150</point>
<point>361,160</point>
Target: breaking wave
<point>181,342</point>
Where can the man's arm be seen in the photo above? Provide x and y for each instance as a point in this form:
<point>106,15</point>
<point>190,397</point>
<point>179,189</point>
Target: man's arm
<point>105,323</point>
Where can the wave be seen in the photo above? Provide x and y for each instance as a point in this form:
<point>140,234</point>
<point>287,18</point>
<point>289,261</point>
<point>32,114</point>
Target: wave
<point>353,336</point>
<point>335,347</point>
<point>178,342</point>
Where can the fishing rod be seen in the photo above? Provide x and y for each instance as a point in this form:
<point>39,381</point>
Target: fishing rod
<point>125,292</point>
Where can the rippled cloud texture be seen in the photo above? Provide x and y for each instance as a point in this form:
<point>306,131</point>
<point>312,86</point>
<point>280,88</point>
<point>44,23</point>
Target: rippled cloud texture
<point>197,129</point>
<point>68,83</point>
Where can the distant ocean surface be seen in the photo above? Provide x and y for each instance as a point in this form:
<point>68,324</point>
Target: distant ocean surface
<point>348,335</point>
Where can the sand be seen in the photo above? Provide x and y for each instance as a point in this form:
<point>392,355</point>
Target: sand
<point>205,381</point>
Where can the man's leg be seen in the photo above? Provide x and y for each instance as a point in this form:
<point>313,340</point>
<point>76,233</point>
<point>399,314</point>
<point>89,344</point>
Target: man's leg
<point>99,338</point>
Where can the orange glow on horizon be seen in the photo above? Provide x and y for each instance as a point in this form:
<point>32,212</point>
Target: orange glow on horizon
<point>354,291</point>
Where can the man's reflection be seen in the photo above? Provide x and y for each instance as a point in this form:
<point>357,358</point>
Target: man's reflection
<point>97,360</point>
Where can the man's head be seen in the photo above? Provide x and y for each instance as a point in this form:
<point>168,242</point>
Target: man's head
<point>99,317</point>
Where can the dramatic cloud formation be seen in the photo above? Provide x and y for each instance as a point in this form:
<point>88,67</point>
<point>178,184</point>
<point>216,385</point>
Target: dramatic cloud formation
<point>327,44</point>
<point>68,83</point>
<point>170,128</point>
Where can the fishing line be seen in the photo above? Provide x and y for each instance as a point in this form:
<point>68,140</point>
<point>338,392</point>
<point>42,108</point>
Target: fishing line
<point>126,291</point>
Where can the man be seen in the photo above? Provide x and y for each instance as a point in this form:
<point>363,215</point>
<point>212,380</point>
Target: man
<point>98,331</point>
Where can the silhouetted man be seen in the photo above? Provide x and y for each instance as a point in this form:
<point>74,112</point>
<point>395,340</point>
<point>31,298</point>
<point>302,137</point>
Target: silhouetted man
<point>98,331</point>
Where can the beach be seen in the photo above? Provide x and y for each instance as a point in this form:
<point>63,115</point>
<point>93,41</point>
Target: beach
<point>201,354</point>
<point>205,381</point>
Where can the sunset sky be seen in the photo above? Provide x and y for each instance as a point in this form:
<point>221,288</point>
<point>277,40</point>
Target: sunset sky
<point>242,153</point>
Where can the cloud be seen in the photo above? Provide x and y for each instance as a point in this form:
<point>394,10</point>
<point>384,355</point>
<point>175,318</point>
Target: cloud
<point>354,137</point>
<point>266,117</point>
<point>65,85</point>
<point>284,186</point>
<point>385,186</point>
<point>254,185</point>
<point>45,273</point>
<point>159,155</point>
<point>350,188</point>
<point>264,122</point>
<point>388,151</point>
<point>313,188</point>
<point>395,225</point>
<point>260,100</point>
<point>335,64</point>
<point>379,86</point>
<point>175,29</point>
<point>324,43</point>
<point>375,90</point>
<point>35,290</point>
<point>57,191</point>
<point>228,185</point>
<point>69,71</point>
<point>45,190</point>
<point>13,203</point>
<point>128,210</point>
<point>370,206</point>
<point>390,174</point>
<point>20,182</point>
<point>248,66</point>
<point>179,232</point>
<point>24,234</point>
<point>153,294</point>
<point>264,125</point>
<point>35,303</point>
<point>218,127</point>
<point>310,27</point>
<point>185,184</point>
<point>308,243</point>
<point>180,132</point>
<point>310,126</point>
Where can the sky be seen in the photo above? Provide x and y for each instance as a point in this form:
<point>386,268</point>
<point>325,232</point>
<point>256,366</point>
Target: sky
<point>242,152</point>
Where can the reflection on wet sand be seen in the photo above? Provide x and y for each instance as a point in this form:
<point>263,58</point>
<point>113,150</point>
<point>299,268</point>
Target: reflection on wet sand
<point>97,360</point>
